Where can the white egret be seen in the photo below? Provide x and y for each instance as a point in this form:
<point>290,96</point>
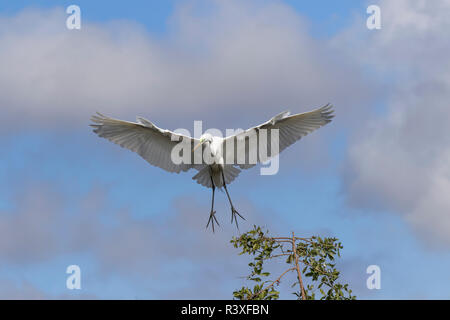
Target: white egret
<point>155,145</point>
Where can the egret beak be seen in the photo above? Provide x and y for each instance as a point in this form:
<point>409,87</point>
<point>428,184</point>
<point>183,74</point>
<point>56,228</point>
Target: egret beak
<point>196,147</point>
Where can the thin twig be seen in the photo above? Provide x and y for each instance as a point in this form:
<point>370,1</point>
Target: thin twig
<point>302,289</point>
<point>315,268</point>
<point>279,255</point>
<point>273,282</point>
<point>289,239</point>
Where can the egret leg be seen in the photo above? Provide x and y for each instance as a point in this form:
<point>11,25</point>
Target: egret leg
<point>212,215</point>
<point>233,210</point>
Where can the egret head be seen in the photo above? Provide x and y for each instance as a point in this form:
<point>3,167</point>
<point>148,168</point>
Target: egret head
<point>204,138</point>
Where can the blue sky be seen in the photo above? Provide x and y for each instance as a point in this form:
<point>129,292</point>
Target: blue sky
<point>325,16</point>
<point>68,197</point>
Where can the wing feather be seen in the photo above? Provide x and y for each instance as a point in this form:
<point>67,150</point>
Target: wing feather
<point>146,139</point>
<point>291,129</point>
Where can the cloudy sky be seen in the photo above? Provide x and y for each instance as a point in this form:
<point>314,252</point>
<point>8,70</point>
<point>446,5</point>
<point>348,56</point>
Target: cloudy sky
<point>377,177</point>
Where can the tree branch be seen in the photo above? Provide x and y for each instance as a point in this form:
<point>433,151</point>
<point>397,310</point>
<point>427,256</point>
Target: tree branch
<point>299,275</point>
<point>273,282</point>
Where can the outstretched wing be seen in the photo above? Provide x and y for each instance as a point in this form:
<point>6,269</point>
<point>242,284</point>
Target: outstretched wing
<point>290,129</point>
<point>150,142</point>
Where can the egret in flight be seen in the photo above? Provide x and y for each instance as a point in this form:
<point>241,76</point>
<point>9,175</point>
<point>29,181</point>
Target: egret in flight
<point>155,145</point>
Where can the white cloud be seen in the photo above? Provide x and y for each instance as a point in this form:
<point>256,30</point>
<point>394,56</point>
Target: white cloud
<point>400,161</point>
<point>239,57</point>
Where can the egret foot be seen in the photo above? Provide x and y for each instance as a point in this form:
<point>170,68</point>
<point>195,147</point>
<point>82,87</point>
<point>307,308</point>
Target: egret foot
<point>233,216</point>
<point>233,210</point>
<point>212,218</point>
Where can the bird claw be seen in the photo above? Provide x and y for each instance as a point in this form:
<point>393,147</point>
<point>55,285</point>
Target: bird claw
<point>234,212</point>
<point>212,218</point>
